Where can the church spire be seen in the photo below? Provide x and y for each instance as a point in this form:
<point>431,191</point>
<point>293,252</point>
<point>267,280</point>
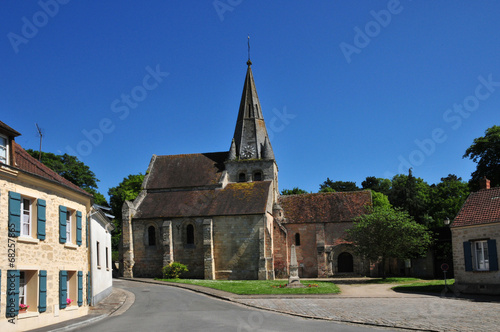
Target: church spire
<point>250,134</point>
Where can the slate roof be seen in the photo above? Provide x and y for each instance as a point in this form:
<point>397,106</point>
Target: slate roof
<point>235,199</point>
<point>186,170</point>
<point>28,164</point>
<point>325,207</point>
<point>481,207</point>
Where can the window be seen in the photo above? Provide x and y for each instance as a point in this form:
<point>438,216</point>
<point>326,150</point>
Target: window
<point>190,234</point>
<point>481,257</point>
<point>98,252</point>
<point>69,227</point>
<point>71,287</point>
<point>26,217</point>
<point>28,289</point>
<point>242,177</point>
<point>257,176</point>
<point>151,236</point>
<point>297,239</point>
<point>107,258</point>
<point>4,150</point>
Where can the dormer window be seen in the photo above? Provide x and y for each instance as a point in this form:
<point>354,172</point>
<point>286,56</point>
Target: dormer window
<point>242,177</point>
<point>4,150</point>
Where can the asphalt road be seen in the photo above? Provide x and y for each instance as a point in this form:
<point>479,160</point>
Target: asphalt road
<point>164,308</point>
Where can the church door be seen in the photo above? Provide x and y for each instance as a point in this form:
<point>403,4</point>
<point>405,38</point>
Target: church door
<point>345,262</point>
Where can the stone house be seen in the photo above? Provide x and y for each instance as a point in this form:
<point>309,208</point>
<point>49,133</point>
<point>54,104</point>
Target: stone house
<point>43,240</point>
<point>101,270</point>
<point>221,213</point>
<point>475,235</point>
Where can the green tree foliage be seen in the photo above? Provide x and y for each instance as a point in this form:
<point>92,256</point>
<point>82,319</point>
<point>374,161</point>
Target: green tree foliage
<point>410,194</point>
<point>294,191</point>
<point>72,169</point>
<point>447,197</point>
<point>331,186</point>
<point>485,151</point>
<point>380,185</point>
<point>127,190</point>
<point>388,233</point>
<point>380,200</point>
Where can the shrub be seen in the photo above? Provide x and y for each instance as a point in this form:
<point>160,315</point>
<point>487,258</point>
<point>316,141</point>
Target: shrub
<point>174,270</point>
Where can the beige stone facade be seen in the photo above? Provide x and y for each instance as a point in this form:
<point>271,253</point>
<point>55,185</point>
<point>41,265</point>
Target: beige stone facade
<point>39,261</point>
<point>479,280</point>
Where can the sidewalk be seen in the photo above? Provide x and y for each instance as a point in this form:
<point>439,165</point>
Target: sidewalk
<point>115,304</point>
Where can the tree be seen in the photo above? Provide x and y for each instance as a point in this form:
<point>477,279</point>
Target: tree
<point>330,186</point>
<point>485,151</point>
<point>447,197</point>
<point>380,200</point>
<point>388,233</point>
<point>411,194</point>
<point>380,185</point>
<point>127,190</point>
<point>294,191</point>
<point>73,170</point>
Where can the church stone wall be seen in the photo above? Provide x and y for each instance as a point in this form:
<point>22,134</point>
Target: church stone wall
<point>236,246</point>
<point>190,255</point>
<point>148,258</point>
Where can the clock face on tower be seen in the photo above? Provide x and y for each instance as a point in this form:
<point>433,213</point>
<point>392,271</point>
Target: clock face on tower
<point>247,152</point>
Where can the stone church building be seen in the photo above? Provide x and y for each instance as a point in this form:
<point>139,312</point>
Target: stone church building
<point>221,213</point>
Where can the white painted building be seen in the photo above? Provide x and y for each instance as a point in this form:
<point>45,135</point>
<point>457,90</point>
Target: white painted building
<point>100,258</point>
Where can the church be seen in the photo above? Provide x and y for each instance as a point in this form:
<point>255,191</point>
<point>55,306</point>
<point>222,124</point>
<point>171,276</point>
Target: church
<point>221,213</point>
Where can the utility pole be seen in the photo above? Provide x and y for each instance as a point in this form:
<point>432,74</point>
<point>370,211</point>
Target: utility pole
<point>41,136</point>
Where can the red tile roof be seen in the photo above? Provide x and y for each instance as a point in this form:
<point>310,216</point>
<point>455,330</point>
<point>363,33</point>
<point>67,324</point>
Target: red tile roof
<point>26,163</point>
<point>481,207</point>
<point>325,207</point>
<point>235,199</point>
<point>186,170</point>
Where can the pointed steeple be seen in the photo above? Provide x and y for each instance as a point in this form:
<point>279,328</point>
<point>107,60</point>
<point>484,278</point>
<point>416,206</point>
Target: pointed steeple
<point>232,151</point>
<point>250,134</point>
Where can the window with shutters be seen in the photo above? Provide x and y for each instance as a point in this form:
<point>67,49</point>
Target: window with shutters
<point>72,288</point>
<point>480,256</point>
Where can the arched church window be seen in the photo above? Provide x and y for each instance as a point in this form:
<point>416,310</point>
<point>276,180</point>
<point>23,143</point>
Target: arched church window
<point>297,239</point>
<point>242,177</point>
<point>257,176</point>
<point>190,234</point>
<point>151,236</point>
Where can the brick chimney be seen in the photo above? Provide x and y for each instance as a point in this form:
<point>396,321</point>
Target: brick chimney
<point>484,183</point>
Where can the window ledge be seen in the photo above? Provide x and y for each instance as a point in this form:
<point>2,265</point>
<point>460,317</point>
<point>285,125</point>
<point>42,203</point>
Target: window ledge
<point>8,170</point>
<point>26,239</point>
<point>28,314</point>
<point>70,246</point>
<point>71,308</point>
<point>99,267</point>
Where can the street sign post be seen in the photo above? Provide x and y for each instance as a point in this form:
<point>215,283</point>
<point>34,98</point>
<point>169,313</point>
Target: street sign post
<point>445,267</point>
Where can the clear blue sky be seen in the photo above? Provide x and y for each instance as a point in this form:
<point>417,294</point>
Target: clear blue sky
<point>354,89</point>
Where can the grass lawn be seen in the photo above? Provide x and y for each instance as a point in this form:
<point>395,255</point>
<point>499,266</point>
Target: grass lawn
<point>392,280</point>
<point>425,286</point>
<point>247,287</point>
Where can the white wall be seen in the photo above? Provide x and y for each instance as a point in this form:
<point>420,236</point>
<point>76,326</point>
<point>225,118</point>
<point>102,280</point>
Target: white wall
<point>102,278</point>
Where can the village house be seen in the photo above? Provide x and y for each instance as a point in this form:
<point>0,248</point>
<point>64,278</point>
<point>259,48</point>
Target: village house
<point>221,213</point>
<point>44,253</point>
<point>476,234</point>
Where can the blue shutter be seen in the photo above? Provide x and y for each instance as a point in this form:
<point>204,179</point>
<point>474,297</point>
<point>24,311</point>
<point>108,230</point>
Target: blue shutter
<point>80,288</point>
<point>41,218</point>
<point>12,293</point>
<point>492,253</point>
<point>89,290</point>
<point>468,256</point>
<point>14,214</point>
<point>63,288</point>
<point>42,291</point>
<point>62,223</point>
<point>78,228</point>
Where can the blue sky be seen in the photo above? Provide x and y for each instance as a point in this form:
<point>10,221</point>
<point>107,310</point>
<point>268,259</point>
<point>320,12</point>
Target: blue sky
<point>353,89</point>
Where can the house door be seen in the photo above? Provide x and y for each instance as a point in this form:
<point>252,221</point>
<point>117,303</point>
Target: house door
<point>345,262</point>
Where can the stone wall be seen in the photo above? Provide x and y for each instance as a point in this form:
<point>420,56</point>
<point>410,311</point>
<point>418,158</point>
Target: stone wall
<point>487,282</point>
<point>33,255</point>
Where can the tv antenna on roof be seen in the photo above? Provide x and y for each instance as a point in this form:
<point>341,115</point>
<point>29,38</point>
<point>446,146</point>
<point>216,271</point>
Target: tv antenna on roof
<point>41,136</point>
